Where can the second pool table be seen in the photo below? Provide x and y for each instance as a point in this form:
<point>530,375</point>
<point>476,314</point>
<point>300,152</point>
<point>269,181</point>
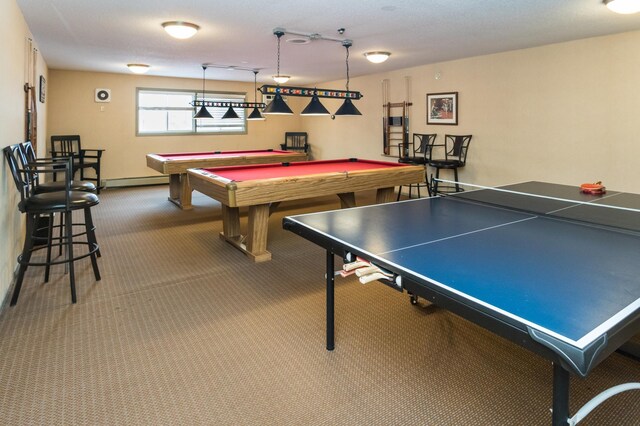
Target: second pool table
<point>262,187</point>
<point>176,164</point>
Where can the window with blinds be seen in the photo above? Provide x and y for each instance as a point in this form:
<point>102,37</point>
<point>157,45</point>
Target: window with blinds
<point>169,112</point>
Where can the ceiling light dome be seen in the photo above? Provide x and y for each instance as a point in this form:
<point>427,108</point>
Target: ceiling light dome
<point>180,29</point>
<point>625,7</point>
<point>377,57</point>
<point>138,68</point>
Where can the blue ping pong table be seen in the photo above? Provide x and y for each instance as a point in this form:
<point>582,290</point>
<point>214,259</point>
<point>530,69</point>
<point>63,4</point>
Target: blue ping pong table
<point>561,278</point>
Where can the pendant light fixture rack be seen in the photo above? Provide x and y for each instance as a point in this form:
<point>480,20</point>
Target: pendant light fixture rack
<point>278,106</point>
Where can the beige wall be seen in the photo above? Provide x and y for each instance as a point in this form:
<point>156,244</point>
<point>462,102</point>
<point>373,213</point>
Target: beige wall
<point>13,65</point>
<point>74,111</point>
<point>564,113</point>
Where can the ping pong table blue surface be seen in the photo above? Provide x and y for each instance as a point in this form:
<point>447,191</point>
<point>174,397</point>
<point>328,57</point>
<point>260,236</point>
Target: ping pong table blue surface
<point>566,272</point>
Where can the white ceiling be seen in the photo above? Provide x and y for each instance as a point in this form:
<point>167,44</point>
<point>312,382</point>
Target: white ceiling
<point>105,35</point>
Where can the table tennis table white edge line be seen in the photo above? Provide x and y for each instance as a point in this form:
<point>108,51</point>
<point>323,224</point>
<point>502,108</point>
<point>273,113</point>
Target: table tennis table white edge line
<point>464,295</point>
<point>580,343</point>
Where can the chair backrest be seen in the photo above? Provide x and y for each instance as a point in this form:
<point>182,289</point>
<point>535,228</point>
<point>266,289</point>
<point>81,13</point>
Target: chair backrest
<point>457,147</point>
<point>15,161</point>
<point>28,152</point>
<point>423,142</point>
<point>296,141</point>
<point>65,146</point>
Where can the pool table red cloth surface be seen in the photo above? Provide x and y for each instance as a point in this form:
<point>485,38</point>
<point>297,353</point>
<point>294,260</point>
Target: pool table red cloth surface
<point>263,187</point>
<point>176,166</point>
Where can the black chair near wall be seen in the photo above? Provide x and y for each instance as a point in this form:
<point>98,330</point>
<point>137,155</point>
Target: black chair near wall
<point>34,205</point>
<point>295,141</point>
<point>453,156</point>
<point>39,187</point>
<point>417,153</point>
<point>83,158</point>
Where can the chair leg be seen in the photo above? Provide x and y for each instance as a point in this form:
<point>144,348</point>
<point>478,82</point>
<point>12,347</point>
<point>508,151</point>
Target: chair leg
<point>97,168</point>
<point>49,243</point>
<point>399,192</point>
<point>69,228</point>
<point>93,242</point>
<point>455,175</point>
<point>435,185</point>
<point>426,179</point>
<point>24,258</point>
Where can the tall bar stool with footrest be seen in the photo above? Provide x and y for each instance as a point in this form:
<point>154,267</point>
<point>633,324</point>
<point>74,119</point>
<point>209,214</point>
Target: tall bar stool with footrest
<point>417,154</point>
<point>39,187</point>
<point>47,203</point>
<point>455,149</point>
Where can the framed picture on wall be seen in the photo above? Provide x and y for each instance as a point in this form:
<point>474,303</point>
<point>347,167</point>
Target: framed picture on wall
<point>442,108</point>
<point>43,88</point>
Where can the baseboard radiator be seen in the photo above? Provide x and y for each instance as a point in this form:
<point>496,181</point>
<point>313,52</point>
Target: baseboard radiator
<point>135,181</point>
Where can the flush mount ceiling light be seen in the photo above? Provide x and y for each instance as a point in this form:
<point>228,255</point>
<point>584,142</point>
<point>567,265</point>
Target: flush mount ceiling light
<point>180,29</point>
<point>377,57</point>
<point>280,79</point>
<point>138,68</point>
<point>625,7</point>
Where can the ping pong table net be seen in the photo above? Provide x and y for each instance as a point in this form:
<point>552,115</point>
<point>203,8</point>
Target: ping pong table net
<point>614,209</point>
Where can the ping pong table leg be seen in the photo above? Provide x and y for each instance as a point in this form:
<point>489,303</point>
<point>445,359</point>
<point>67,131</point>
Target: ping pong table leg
<point>330,300</point>
<point>560,413</point>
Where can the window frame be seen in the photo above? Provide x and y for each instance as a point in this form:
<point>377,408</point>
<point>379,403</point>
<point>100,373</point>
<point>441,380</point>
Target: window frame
<point>209,94</point>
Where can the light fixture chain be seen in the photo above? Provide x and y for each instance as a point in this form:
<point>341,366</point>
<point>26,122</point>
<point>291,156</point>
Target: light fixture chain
<point>347,60</point>
<point>278,70</point>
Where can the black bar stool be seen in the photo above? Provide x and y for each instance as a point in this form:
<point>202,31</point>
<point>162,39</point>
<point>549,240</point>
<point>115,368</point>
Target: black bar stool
<point>419,149</point>
<point>455,156</point>
<point>64,202</point>
<point>29,156</point>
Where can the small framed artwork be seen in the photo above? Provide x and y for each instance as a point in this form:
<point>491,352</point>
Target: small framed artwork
<point>442,108</point>
<point>43,88</point>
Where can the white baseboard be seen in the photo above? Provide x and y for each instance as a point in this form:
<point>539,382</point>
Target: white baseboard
<point>135,181</point>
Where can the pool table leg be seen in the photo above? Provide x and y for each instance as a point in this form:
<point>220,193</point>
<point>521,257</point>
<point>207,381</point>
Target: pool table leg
<point>180,190</point>
<point>255,243</point>
<point>347,200</point>
<point>385,195</point>
<point>257,234</point>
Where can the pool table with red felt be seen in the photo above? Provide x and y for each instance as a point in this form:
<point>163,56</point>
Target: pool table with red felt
<point>176,164</point>
<point>262,187</point>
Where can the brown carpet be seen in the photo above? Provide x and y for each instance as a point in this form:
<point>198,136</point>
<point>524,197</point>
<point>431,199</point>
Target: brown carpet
<point>184,329</point>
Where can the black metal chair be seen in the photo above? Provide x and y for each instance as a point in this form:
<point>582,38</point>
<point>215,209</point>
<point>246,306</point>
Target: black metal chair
<point>83,158</point>
<point>29,155</point>
<point>454,156</point>
<point>295,141</point>
<point>416,153</point>
<point>34,205</point>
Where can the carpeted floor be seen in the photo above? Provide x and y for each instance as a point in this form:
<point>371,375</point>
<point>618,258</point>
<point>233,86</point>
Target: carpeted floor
<point>183,329</point>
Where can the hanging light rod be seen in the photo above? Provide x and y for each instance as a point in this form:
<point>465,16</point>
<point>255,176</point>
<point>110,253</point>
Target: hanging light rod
<point>216,104</point>
<point>312,36</point>
<point>232,67</point>
<point>268,89</point>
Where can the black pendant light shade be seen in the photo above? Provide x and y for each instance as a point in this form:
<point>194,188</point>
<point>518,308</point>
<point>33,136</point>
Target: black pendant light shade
<point>315,107</point>
<point>348,108</point>
<point>255,115</point>
<point>230,114</point>
<point>203,113</point>
<point>278,106</point>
